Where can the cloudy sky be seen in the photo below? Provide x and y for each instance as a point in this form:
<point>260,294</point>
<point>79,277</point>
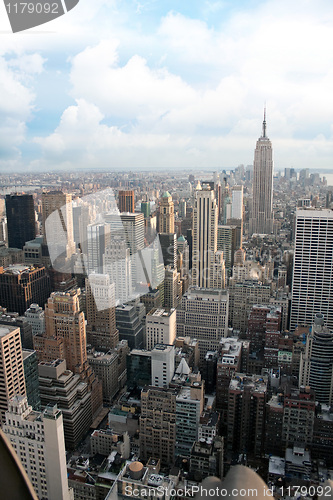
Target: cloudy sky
<point>153,84</point>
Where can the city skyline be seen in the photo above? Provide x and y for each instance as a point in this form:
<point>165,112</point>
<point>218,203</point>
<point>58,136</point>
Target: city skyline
<point>168,86</point>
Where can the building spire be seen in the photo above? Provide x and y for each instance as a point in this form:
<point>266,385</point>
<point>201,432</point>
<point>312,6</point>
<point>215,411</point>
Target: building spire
<point>264,123</point>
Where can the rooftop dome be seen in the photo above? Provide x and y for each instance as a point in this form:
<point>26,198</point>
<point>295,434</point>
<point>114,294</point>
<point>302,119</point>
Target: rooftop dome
<point>166,194</point>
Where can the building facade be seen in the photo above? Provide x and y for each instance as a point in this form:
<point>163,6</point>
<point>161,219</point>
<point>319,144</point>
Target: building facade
<point>12,381</point>
<point>312,290</point>
<point>203,315</point>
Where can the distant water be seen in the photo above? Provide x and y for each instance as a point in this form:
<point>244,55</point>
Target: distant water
<point>329,177</point>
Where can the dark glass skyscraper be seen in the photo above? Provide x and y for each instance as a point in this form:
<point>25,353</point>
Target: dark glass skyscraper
<point>20,219</point>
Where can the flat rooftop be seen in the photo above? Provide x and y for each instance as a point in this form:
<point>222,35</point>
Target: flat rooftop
<point>4,330</point>
<point>160,312</point>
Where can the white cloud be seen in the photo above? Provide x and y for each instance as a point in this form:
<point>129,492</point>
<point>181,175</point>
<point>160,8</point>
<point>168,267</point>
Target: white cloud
<point>16,105</point>
<point>188,91</point>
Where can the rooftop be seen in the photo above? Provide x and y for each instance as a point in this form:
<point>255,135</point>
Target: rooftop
<point>277,466</point>
<point>165,313</point>
<point>5,330</point>
<point>241,381</point>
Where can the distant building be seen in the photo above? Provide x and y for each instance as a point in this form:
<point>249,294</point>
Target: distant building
<point>160,327</point>
<point>237,202</point>
<point>30,365</point>
<point>117,263</point>
<point>58,205</point>
<point>36,318</point>
<point>145,208</point>
<point>98,240</point>
<point>59,386</point>
<point>166,220</point>
<point>21,223</point>
<point>9,256</point>
<point>22,285</point>
<point>168,243</point>
<point>172,287</point>
<point>151,300</point>
<point>226,241</point>
<point>126,201</point>
<point>101,328</point>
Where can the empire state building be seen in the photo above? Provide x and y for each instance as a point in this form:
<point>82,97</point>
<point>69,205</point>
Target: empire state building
<point>262,208</point>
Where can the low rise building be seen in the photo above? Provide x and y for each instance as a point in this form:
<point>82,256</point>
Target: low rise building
<point>105,442</point>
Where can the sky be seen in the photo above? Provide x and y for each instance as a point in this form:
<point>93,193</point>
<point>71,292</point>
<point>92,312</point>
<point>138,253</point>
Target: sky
<point>164,85</point>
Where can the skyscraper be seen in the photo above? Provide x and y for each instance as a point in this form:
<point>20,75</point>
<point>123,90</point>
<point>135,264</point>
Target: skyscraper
<point>98,240</point>
<point>65,338</point>
<point>227,241</point>
<point>12,380</point>
<point>126,201</point>
<point>166,214</point>
<point>101,312</point>
<point>316,366</point>
<point>21,286</point>
<point>262,209</point>
<point>204,237</point>
<point>64,321</point>
<point>172,287</point>
<point>21,225</point>
<point>237,202</point>
<point>58,231</point>
<point>312,290</point>
<point>118,265</point>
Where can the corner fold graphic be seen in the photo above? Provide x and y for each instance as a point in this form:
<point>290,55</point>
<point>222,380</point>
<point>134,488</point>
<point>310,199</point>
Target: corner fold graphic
<point>26,15</point>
